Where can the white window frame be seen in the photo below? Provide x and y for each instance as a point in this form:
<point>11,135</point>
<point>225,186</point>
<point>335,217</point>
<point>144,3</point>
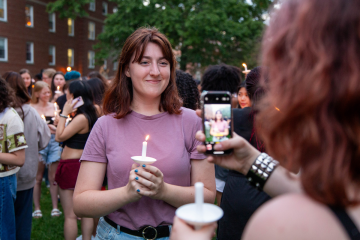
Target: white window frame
<point>31,16</point>
<point>92,5</point>
<point>4,19</point>
<point>104,7</point>
<point>5,59</point>
<point>72,27</point>
<point>53,16</point>
<point>53,49</point>
<point>91,59</point>
<point>91,35</point>
<point>72,57</point>
<point>32,53</point>
<point>105,64</point>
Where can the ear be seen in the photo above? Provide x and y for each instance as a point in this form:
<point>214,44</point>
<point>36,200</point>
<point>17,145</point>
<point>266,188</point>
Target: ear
<point>127,72</point>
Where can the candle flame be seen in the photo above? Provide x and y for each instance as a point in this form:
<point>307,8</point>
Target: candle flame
<point>55,105</point>
<point>147,137</point>
<point>277,109</point>
<point>42,116</point>
<point>245,66</point>
<point>58,88</point>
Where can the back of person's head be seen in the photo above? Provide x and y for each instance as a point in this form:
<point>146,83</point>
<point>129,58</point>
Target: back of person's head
<point>80,88</point>
<point>37,88</point>
<point>311,53</point>
<point>72,76</point>
<point>6,95</point>
<point>253,87</point>
<point>187,90</point>
<point>17,84</point>
<point>98,89</point>
<point>120,95</point>
<point>221,78</point>
<point>49,72</point>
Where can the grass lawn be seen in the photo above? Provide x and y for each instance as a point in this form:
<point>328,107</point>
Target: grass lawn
<point>47,227</point>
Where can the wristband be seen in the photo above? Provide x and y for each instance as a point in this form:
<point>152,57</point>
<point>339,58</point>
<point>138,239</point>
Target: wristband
<point>261,170</point>
<point>64,116</point>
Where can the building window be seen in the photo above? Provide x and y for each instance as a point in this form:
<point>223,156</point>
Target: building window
<point>71,27</point>
<point>105,64</point>
<point>52,18</point>
<point>92,6</point>
<point>3,49</point>
<point>115,64</point>
<point>52,55</point>
<point>3,10</point>
<point>91,34</point>
<point>70,55</point>
<point>91,59</point>
<point>29,16</point>
<point>104,8</point>
<point>29,52</point>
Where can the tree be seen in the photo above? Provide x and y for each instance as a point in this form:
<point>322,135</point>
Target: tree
<point>206,32</point>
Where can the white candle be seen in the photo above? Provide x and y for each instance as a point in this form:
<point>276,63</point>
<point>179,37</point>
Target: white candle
<point>199,199</point>
<point>68,120</point>
<point>58,88</point>
<point>56,109</point>
<point>43,117</point>
<point>245,66</point>
<point>144,147</point>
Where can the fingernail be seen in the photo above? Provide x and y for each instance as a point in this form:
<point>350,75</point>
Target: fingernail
<point>137,178</point>
<point>138,190</point>
<point>144,165</point>
<point>136,170</point>
<point>218,146</point>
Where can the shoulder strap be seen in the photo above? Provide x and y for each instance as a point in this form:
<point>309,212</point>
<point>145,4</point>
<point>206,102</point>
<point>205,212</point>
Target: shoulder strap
<point>347,222</point>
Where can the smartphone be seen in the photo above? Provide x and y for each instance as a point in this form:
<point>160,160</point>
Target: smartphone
<point>217,119</point>
<point>79,102</point>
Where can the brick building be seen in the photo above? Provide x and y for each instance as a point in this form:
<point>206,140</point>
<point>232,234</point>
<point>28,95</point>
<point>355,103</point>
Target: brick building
<point>34,39</point>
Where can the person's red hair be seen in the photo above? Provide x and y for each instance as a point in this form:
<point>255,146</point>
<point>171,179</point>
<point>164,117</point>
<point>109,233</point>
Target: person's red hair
<point>310,117</point>
<point>118,98</point>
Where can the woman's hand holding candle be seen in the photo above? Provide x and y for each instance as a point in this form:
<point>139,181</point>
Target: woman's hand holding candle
<point>183,231</point>
<point>134,188</point>
<point>151,178</point>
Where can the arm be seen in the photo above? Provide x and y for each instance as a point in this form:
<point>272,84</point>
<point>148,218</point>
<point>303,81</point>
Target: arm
<point>90,201</point>
<point>76,125</point>
<point>243,157</point>
<point>16,158</point>
<point>201,171</point>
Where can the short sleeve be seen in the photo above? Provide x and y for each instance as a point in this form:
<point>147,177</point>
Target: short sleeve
<point>95,148</point>
<point>15,138</point>
<point>192,124</point>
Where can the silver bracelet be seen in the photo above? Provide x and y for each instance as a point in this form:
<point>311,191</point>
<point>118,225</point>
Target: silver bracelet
<point>261,170</point>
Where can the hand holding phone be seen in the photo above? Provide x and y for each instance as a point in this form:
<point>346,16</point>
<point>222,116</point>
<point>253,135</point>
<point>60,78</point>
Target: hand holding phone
<point>79,102</point>
<point>217,119</point>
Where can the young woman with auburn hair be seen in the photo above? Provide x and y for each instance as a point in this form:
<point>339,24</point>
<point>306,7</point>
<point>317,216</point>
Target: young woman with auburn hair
<point>142,101</point>
<point>309,119</point>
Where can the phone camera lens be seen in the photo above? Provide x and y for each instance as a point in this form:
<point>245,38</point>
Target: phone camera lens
<point>217,99</point>
<point>206,98</point>
<point>224,98</point>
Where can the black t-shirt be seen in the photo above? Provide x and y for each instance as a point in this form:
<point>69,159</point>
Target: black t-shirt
<point>61,101</point>
<point>239,200</point>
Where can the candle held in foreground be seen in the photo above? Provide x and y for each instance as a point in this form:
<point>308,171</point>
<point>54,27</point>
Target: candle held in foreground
<point>245,66</point>
<point>43,117</point>
<point>143,154</point>
<point>199,199</point>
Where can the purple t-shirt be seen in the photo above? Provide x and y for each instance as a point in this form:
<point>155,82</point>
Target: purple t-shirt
<point>172,142</point>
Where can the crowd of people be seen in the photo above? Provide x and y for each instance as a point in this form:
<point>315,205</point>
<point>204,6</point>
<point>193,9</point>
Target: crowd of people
<point>300,107</point>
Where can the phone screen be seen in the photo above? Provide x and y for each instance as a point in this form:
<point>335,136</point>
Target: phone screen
<point>217,120</point>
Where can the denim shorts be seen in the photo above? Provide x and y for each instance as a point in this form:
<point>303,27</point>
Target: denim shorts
<point>7,209</point>
<point>51,153</point>
<point>105,231</point>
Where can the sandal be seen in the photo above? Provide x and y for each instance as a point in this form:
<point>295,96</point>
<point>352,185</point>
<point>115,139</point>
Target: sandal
<point>55,212</point>
<point>37,214</point>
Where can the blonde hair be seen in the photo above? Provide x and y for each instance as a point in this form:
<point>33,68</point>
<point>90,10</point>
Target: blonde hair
<point>50,72</point>
<point>39,85</point>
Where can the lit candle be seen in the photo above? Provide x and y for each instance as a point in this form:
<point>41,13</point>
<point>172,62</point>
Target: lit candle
<point>143,155</point>
<point>58,90</point>
<point>43,117</point>
<point>199,199</point>
<point>245,66</point>
<point>56,108</point>
<point>68,120</point>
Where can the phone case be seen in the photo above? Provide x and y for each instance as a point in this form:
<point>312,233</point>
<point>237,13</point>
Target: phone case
<point>79,103</point>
